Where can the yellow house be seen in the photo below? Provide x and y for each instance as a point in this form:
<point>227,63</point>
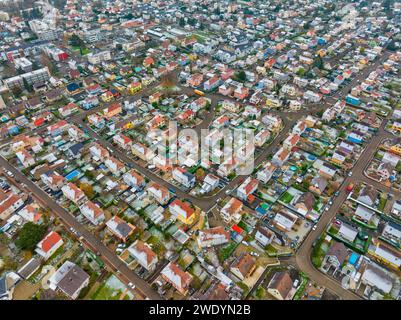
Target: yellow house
<point>386,254</point>
<point>134,87</point>
<point>396,149</point>
<point>182,211</point>
<point>107,96</point>
<point>396,126</point>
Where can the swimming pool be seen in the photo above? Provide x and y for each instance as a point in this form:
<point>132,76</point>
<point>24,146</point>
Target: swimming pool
<point>72,175</point>
<point>353,258</point>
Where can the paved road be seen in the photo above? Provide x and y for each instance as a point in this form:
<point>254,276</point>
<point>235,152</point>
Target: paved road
<point>303,255</point>
<point>89,239</point>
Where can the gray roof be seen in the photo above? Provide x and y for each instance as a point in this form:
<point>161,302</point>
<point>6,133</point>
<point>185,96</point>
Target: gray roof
<point>73,280</point>
<point>3,287</point>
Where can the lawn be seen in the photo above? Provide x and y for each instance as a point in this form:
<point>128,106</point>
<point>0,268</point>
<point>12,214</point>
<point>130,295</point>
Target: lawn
<point>286,197</point>
<point>226,251</point>
<point>106,293</point>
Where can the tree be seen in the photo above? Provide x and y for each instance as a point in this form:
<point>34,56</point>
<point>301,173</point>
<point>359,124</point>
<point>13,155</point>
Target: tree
<point>30,235</point>
<point>241,75</point>
<point>200,174</point>
<point>76,41</point>
<point>361,50</point>
<point>87,189</point>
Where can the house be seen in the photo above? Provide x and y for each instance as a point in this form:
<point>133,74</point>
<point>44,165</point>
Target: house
<point>98,152</point>
<point>385,254</point>
<point>318,185</point>
<point>182,211</point>
<point>335,257</point>
<point>213,237</point>
<point>378,278</point>
<point>241,93</point>
<point>121,229</point>
<point>392,232</point>
<point>25,158</point>
<point>9,203</point>
<point>68,109</point>
<point>347,232</point>
<point>266,172</point>
<point>58,128</point>
<point>364,214</point>
<point>179,279</point>
<point>305,203</point>
<point>183,177</point>
<point>7,285</point>
<point>368,195</point>
<point>157,121</point>
<point>281,286</point>
<point>134,87</point>
<point>30,213</point>
<point>114,165</point>
<point>92,212</point>
<point>75,133</point>
<point>195,80</point>
<point>284,220</point>
<point>261,137</point>
<point>243,266</point>
<point>210,182</point>
<point>264,236</point>
<point>73,193</point>
<point>143,254</point>
<point>143,152</point>
<point>212,83</point>
<point>327,171</point>
<point>160,193</point>
<point>384,170</point>
<point>122,141</point>
<point>291,141</point>
<point>49,245</point>
<point>112,110</point>
<point>231,212</point>
<point>280,157</point>
<point>96,120</point>
<point>133,179</point>
<point>69,279</point>
<point>249,186</point>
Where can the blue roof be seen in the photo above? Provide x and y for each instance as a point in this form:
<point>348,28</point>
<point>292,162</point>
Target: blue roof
<point>72,86</point>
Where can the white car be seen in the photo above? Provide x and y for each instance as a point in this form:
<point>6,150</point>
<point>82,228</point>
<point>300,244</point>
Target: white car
<point>228,191</point>
<point>350,174</point>
<point>314,227</point>
<point>131,285</point>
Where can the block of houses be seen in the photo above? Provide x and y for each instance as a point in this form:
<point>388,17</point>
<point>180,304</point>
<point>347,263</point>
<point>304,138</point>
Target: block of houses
<point>143,152</point>
<point>143,254</point>
<point>49,245</point>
